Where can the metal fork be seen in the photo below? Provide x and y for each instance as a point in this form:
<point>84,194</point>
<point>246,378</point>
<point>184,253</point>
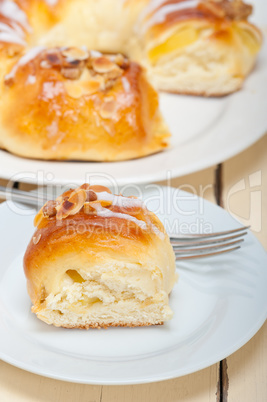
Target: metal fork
<point>191,246</point>
<point>185,246</point>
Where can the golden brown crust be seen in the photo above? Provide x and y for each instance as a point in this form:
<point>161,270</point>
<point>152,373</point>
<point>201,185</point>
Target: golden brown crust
<point>97,267</point>
<point>78,106</point>
<point>216,14</point>
<point>122,226</point>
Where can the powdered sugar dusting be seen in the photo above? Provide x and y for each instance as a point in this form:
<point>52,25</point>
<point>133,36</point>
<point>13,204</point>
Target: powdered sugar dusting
<point>31,79</point>
<point>51,89</point>
<point>52,130</point>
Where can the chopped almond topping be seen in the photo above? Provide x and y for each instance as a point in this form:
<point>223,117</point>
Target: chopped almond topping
<point>38,217</point>
<point>91,195</point>
<point>72,201</point>
<point>49,209</point>
<point>85,186</point>
<point>88,209</point>
<point>121,61</point>
<point>103,65</point>
<point>36,239</point>
<point>235,9</point>
<point>53,57</point>
<point>72,73</point>
<point>100,189</point>
<point>108,108</point>
<point>75,53</point>
<point>72,205</point>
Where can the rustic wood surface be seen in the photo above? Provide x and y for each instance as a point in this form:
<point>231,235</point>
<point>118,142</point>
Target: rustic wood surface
<point>240,185</point>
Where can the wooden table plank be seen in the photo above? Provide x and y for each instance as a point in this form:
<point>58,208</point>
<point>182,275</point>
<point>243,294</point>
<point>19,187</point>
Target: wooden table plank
<point>245,188</point>
<point>21,386</point>
<point>245,195</point>
<point>197,387</point>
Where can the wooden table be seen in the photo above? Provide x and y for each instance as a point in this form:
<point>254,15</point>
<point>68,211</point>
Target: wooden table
<point>240,185</point>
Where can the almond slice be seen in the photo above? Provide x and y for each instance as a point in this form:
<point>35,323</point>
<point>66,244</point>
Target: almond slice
<point>85,186</point>
<point>64,195</point>
<point>88,209</point>
<point>89,206</point>
<point>90,196</point>
<point>73,205</point>
<point>49,209</point>
<point>53,57</point>
<point>72,73</point>
<point>76,89</point>
<point>103,65</point>
<point>36,239</point>
<point>121,61</point>
<point>100,189</point>
<point>38,217</point>
<point>108,108</point>
<point>75,53</point>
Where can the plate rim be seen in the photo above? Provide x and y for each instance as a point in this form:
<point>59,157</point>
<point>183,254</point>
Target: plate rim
<point>147,379</point>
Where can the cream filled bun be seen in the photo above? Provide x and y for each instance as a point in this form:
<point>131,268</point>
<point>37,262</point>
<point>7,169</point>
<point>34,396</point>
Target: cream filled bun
<point>99,260</point>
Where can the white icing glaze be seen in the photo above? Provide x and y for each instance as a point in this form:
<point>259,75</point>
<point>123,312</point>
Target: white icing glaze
<point>125,202</point>
<point>12,32</point>
<point>51,3</point>
<point>107,213</point>
<point>11,10</point>
<point>160,234</point>
<point>6,28</point>
<point>30,55</point>
<point>152,5</point>
<point>126,84</point>
<point>120,201</point>
<point>160,15</point>
<point>11,37</point>
<point>95,53</point>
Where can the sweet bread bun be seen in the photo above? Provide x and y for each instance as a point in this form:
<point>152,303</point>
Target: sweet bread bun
<point>187,46</point>
<point>197,47</point>
<point>72,103</point>
<point>99,260</point>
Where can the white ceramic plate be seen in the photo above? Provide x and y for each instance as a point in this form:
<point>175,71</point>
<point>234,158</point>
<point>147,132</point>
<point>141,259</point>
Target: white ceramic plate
<point>219,304</point>
<point>204,132</point>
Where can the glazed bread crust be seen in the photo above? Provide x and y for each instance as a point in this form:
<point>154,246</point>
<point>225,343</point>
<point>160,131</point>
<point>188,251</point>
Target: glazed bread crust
<point>108,264</point>
<point>197,47</point>
<point>80,105</point>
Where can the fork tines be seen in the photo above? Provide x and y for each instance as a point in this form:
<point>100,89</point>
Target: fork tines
<point>206,245</point>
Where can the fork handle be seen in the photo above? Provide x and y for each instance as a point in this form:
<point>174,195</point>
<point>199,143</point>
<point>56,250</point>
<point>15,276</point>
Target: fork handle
<point>23,197</point>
